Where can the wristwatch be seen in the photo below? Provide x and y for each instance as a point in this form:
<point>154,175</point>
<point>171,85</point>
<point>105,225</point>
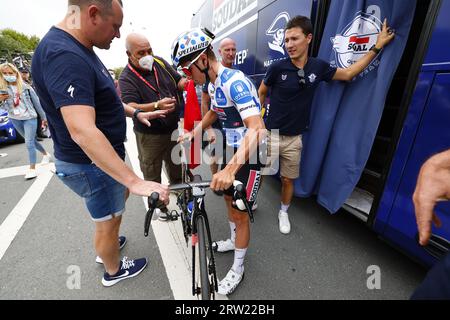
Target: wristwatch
<point>136,112</point>
<point>375,49</point>
<point>156,106</point>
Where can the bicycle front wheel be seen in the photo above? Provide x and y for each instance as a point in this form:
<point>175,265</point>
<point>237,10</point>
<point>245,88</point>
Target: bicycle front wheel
<point>203,245</point>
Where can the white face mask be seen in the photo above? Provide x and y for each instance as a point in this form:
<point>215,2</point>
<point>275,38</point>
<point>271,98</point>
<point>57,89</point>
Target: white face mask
<point>147,62</point>
<point>10,79</point>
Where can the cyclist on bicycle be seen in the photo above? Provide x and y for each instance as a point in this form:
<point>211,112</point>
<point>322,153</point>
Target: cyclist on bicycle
<point>236,104</point>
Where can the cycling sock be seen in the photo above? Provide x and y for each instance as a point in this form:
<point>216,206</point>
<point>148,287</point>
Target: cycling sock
<point>239,257</point>
<point>284,207</point>
<point>233,231</point>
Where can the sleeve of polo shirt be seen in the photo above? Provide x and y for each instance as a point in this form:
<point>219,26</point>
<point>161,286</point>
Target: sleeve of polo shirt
<point>328,71</point>
<point>70,80</point>
<point>129,92</point>
<point>270,77</point>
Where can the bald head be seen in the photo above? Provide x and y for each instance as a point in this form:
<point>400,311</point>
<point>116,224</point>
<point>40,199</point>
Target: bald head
<point>227,51</point>
<point>136,40</point>
<point>227,42</point>
<point>138,47</point>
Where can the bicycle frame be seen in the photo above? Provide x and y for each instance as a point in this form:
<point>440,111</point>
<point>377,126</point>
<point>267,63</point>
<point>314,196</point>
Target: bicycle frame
<point>200,211</point>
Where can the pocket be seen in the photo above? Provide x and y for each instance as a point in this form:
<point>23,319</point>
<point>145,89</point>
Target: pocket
<point>78,183</point>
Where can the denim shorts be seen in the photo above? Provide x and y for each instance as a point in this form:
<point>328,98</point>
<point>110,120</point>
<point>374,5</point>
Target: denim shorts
<point>104,196</point>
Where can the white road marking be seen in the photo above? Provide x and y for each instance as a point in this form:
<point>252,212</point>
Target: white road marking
<point>16,219</point>
<point>169,236</point>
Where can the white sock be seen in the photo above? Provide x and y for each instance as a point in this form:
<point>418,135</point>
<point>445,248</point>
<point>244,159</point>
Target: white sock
<point>233,231</point>
<point>239,258</point>
<point>284,207</point>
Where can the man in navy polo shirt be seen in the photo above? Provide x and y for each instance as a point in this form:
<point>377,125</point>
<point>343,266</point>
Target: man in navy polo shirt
<point>87,123</point>
<point>292,83</point>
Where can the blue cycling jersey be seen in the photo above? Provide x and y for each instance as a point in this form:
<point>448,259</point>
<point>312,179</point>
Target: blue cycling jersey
<point>234,98</point>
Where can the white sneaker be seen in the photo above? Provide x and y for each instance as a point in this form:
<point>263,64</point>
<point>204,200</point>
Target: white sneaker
<point>46,159</point>
<point>223,246</point>
<point>31,174</point>
<point>229,284</point>
<point>285,225</point>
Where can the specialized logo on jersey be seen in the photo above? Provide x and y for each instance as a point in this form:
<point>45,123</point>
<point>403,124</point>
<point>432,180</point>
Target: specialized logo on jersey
<point>240,93</point>
<point>357,38</point>
<point>284,77</point>
<point>312,78</point>
<point>71,90</point>
<point>276,32</point>
<point>221,99</point>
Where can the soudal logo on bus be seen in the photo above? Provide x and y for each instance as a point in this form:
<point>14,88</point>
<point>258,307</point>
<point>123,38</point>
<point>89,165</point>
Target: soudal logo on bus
<point>226,12</point>
<point>356,39</point>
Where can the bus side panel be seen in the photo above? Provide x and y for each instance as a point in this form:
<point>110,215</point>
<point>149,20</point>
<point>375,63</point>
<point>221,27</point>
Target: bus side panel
<point>425,132</point>
<point>404,147</point>
<point>433,137</point>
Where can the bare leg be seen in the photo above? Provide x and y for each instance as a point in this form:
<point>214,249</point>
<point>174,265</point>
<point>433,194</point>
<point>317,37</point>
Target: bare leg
<point>107,244</point>
<point>287,191</point>
<point>242,222</point>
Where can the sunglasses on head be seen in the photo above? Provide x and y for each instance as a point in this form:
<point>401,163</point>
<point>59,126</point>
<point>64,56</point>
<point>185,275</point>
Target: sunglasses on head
<point>187,69</point>
<point>301,75</point>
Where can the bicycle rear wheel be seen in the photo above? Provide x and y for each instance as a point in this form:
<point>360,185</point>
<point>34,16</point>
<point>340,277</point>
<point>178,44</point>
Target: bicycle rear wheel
<point>203,245</point>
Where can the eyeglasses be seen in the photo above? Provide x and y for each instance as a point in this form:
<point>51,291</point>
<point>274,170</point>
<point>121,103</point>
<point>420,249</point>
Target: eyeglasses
<point>187,69</point>
<point>301,75</point>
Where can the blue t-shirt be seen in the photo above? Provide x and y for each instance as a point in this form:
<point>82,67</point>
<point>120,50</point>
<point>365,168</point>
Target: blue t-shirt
<point>290,100</point>
<point>67,74</point>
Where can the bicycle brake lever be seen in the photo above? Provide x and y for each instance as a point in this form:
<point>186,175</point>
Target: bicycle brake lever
<point>148,217</point>
<point>242,195</point>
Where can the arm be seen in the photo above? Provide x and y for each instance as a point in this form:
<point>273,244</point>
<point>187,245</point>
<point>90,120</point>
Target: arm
<point>433,186</point>
<point>164,104</point>
<point>384,38</point>
<point>206,123</point>
<point>206,101</point>
<point>263,92</point>
<point>255,135</point>
<point>37,104</point>
<point>145,117</point>
<point>80,121</point>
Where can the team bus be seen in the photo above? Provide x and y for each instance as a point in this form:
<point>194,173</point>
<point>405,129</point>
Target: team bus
<point>414,119</point>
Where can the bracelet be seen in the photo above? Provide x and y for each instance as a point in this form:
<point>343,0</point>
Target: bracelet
<point>156,106</point>
<point>375,49</point>
<point>136,112</point>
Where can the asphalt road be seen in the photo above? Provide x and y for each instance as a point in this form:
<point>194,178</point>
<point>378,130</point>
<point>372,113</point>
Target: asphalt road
<point>325,257</point>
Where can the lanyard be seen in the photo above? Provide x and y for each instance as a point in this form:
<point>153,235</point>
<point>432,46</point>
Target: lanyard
<point>16,100</point>
<point>146,82</point>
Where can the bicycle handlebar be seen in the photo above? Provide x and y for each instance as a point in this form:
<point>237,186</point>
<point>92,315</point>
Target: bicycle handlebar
<point>241,195</point>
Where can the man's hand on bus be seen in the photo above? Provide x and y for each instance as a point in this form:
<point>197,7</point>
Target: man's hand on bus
<point>433,186</point>
<point>385,37</point>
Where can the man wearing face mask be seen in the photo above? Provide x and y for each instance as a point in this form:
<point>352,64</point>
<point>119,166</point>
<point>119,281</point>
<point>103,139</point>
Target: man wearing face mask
<point>149,83</point>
